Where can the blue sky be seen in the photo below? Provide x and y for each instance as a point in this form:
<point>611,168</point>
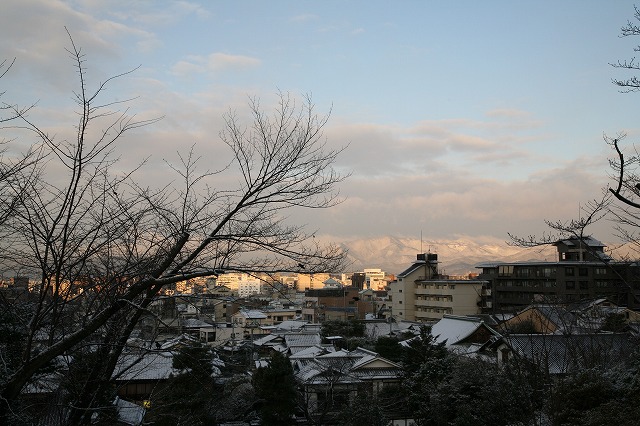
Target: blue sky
<point>462,118</point>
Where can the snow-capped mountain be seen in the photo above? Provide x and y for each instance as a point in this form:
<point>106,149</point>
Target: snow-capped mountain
<point>456,257</point>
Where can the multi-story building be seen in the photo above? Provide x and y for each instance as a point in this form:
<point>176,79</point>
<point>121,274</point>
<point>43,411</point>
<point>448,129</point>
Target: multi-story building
<point>312,281</point>
<point>421,294</point>
<point>583,270</point>
<point>334,304</point>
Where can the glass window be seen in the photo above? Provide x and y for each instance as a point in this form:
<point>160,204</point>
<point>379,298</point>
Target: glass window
<point>570,285</point>
<point>505,270</point>
<point>568,271</point>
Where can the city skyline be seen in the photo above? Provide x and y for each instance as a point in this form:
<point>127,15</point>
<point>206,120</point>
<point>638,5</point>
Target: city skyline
<point>458,120</point>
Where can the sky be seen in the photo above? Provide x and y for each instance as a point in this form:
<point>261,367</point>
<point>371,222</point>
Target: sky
<point>460,119</point>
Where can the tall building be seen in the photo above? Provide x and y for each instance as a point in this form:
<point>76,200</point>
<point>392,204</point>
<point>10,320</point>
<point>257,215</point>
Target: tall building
<point>582,271</point>
<point>421,294</point>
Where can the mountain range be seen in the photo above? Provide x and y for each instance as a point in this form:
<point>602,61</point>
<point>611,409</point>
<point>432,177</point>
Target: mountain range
<point>456,257</point>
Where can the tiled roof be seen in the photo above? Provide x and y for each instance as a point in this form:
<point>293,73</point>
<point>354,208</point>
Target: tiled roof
<point>560,354</point>
<point>452,329</point>
<point>147,366</point>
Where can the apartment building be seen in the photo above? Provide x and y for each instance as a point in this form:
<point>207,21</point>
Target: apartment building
<point>421,294</point>
<point>582,271</point>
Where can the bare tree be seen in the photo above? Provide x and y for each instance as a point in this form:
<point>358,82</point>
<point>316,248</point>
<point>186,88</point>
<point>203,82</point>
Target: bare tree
<point>631,84</point>
<point>99,246</point>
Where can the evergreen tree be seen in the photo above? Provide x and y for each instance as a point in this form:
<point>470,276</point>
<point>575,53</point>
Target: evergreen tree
<point>275,387</point>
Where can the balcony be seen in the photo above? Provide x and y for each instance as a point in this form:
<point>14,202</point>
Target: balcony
<point>434,303</point>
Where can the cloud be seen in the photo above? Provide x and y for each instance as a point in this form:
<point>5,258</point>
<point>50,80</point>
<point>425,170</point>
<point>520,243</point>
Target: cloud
<point>304,18</point>
<point>214,62</point>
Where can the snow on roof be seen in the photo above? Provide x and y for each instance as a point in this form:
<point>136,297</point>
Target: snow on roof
<point>302,339</point>
<point>195,323</point>
<point>147,366</point>
<point>557,352</point>
<point>252,314</point>
<point>452,329</point>
<point>379,328</point>
<point>571,241</point>
<point>291,325</point>
<point>128,412</point>
<point>266,339</point>
<point>312,352</point>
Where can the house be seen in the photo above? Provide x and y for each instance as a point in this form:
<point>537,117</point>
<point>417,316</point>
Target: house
<point>420,293</point>
<point>138,375</point>
<point>462,335</point>
<point>331,379</point>
<point>540,318</point>
<point>559,354</point>
<point>588,316</point>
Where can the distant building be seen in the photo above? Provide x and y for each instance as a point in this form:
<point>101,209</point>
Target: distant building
<point>334,304</point>
<point>583,271</point>
<point>421,294</point>
<point>311,281</point>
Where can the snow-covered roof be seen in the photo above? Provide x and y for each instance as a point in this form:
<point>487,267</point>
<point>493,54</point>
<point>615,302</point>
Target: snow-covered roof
<point>312,351</point>
<point>129,413</point>
<point>376,329</point>
<point>560,353</point>
<point>302,339</point>
<point>252,314</point>
<point>146,366</point>
<point>452,329</point>
<point>291,325</point>
<point>195,323</point>
<point>346,366</point>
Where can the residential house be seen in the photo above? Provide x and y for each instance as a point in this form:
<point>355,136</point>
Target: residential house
<point>464,335</point>
<point>331,379</point>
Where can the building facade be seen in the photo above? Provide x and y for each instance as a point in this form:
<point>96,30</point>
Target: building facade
<point>421,294</point>
<point>582,271</point>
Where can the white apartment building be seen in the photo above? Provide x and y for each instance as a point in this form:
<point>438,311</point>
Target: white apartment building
<point>419,294</point>
<point>244,284</point>
<point>375,279</point>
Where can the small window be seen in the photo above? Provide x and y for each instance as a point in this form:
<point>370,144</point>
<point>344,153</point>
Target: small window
<point>568,272</point>
<point>583,272</point>
<point>570,285</point>
<point>584,285</point>
<point>400,291</point>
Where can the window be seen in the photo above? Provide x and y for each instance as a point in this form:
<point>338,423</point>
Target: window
<point>400,291</point>
<point>584,285</point>
<point>505,270</point>
<point>570,285</point>
<point>601,271</point>
<point>568,271</point>
<point>545,272</point>
<point>583,272</point>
